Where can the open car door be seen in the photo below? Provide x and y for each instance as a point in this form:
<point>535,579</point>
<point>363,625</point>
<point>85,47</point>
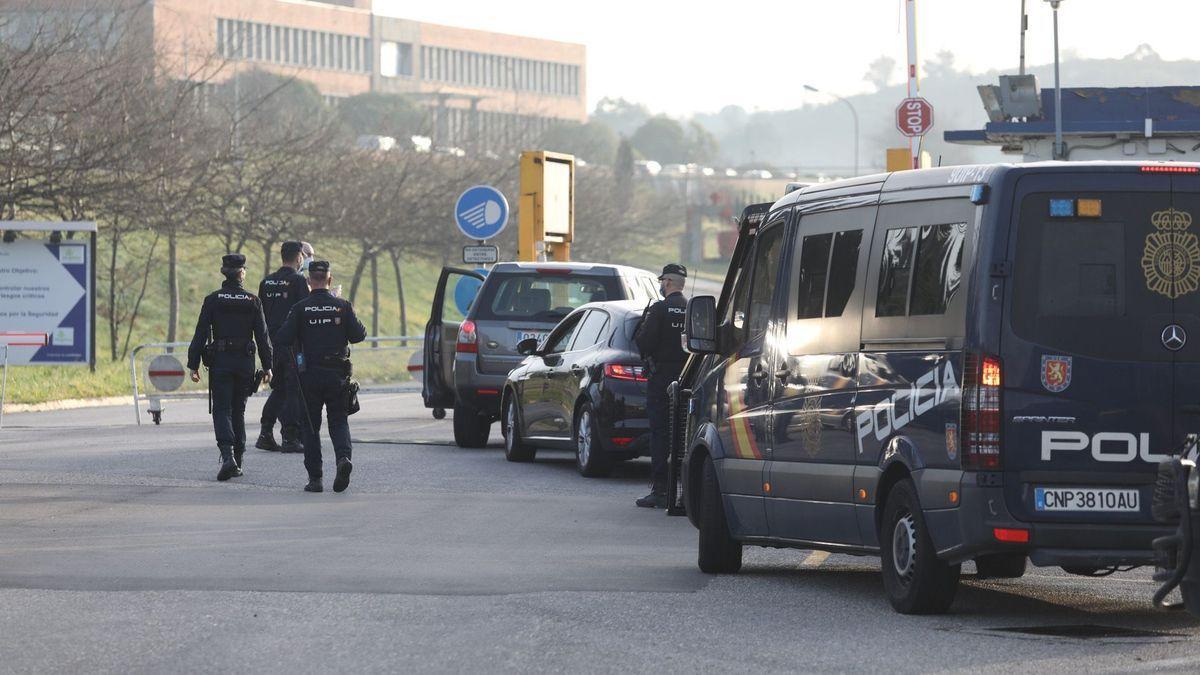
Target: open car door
<point>441,335</point>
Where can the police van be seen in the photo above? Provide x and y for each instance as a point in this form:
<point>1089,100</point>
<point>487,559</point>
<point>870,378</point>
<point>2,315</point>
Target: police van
<point>976,363</point>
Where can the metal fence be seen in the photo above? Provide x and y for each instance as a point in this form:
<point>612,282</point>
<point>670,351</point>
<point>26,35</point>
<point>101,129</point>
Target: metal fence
<point>157,370</point>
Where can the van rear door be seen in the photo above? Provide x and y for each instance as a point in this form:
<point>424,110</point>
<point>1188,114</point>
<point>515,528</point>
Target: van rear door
<point>1088,384</point>
<point>1185,228</point>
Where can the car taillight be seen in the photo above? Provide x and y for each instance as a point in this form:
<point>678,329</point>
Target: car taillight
<point>982,385</point>
<point>622,372</point>
<point>468,339</point>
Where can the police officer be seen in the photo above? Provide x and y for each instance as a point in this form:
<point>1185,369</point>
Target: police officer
<point>659,339</point>
<point>319,330</point>
<point>229,318</point>
<point>278,292</point>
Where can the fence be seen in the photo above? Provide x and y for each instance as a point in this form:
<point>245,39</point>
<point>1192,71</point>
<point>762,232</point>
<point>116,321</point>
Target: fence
<point>157,371</point>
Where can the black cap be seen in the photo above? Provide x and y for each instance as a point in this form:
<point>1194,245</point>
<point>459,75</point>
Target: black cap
<point>674,268</point>
<point>233,261</point>
<point>319,266</point>
<point>290,250</point>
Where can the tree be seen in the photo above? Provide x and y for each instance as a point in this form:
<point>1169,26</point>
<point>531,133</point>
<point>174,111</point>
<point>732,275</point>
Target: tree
<point>623,117</point>
<point>594,141</point>
<point>662,139</point>
<point>942,65</point>
<point>375,114</point>
<point>702,145</point>
<point>880,71</point>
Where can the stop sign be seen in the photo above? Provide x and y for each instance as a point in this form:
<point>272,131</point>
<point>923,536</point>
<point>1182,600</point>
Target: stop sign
<point>914,117</point>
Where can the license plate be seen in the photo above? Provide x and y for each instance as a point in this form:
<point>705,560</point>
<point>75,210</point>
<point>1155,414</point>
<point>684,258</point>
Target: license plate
<point>523,335</point>
<point>1086,499</point>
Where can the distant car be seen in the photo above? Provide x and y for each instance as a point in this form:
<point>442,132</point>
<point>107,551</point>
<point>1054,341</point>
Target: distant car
<point>583,388</point>
<point>467,358</point>
<point>731,173</point>
<point>648,167</point>
<point>758,174</point>
<point>674,170</point>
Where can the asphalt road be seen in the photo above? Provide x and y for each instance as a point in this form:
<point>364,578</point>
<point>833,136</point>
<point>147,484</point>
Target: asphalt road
<point>119,552</point>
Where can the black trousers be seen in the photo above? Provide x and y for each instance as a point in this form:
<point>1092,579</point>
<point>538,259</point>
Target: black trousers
<point>230,388</point>
<point>324,388</point>
<point>282,403</point>
<point>658,412</point>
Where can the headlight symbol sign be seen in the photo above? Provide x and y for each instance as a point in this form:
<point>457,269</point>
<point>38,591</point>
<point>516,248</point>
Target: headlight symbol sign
<point>481,212</point>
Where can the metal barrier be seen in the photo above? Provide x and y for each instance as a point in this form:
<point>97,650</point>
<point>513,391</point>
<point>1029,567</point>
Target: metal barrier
<point>157,371</point>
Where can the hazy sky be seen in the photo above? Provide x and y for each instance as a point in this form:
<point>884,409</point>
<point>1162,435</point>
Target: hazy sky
<point>679,57</point>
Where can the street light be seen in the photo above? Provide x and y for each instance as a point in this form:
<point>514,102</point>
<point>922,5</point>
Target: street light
<point>853,113</point>
<point>1059,149</point>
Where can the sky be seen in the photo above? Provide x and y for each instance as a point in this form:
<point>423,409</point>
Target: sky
<point>683,57</point>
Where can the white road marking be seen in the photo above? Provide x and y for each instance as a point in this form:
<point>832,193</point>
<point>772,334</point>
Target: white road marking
<point>815,559</point>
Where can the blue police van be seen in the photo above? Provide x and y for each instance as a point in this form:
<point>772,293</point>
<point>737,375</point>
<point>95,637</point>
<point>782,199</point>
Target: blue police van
<point>975,363</point>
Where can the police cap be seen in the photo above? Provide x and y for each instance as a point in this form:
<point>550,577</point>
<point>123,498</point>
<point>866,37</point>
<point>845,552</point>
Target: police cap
<point>319,267</point>
<point>290,250</point>
<point>233,261</point>
<point>674,268</point>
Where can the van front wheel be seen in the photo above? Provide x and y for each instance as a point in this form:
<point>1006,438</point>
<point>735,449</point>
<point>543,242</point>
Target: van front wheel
<point>720,553</point>
<point>914,579</point>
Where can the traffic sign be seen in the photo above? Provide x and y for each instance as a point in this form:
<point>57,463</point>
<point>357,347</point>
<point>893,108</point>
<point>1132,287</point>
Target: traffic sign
<point>481,212</point>
<point>166,372</point>
<point>914,117</point>
<point>465,291</point>
<point>481,255</point>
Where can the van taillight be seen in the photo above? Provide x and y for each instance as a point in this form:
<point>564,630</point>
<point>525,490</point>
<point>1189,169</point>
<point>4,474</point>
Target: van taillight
<point>982,383</point>
<point>468,339</point>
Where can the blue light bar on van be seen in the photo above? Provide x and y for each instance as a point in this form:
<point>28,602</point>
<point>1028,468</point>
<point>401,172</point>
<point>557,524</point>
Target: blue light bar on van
<point>1062,208</point>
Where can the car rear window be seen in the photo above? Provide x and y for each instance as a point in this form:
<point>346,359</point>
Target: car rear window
<point>1080,286</point>
<point>542,297</point>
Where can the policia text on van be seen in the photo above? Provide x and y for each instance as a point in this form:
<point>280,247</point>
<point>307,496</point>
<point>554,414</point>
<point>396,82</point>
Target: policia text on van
<point>974,363</point>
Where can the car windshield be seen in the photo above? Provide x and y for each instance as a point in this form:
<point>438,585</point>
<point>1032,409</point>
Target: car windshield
<point>543,297</point>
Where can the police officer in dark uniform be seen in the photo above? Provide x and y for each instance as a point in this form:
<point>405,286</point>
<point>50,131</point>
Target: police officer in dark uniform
<point>229,319</point>
<point>659,339</point>
<point>278,292</point>
<point>318,331</point>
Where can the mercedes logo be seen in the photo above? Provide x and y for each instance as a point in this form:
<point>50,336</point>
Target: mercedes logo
<point>1174,337</point>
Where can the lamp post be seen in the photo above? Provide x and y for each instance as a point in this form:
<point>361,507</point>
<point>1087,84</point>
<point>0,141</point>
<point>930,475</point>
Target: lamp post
<point>1059,150</point>
<point>853,114</point>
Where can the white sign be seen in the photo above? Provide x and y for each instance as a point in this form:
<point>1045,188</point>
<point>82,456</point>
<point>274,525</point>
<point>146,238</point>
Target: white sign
<point>46,290</point>
<point>481,255</point>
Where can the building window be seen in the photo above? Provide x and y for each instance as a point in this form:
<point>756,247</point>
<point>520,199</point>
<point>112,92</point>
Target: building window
<point>396,59</point>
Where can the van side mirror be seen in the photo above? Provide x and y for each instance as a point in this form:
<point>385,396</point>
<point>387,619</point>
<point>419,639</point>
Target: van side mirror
<point>700,325</point>
<point>527,347</point>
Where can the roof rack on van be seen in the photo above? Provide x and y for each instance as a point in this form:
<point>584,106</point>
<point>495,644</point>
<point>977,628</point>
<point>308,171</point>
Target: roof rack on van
<point>792,187</point>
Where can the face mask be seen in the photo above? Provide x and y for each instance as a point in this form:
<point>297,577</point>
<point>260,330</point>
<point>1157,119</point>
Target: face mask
<point>304,263</point>
<point>662,290</point>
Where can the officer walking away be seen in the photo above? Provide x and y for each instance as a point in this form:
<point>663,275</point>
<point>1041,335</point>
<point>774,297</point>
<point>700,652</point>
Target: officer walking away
<point>659,340</point>
<point>318,332</point>
<point>278,292</point>
<point>230,327</point>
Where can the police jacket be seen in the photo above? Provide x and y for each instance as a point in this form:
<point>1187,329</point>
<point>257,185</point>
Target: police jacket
<point>278,291</point>
<point>228,319</point>
<point>659,337</point>
<point>320,327</point>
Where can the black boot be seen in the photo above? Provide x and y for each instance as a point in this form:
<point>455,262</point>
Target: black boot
<point>238,452</point>
<point>228,466</point>
<point>291,440</point>
<point>657,499</point>
<point>314,485</point>
<point>266,439</point>
<point>342,480</point>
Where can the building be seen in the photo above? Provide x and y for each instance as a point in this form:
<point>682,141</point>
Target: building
<point>1124,123</point>
<point>483,88</point>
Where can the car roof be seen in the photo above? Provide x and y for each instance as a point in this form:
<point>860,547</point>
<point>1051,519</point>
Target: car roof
<point>620,307</point>
<point>599,269</point>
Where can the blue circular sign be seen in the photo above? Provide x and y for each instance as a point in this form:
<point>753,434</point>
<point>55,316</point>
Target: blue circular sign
<point>465,291</point>
<point>481,212</point>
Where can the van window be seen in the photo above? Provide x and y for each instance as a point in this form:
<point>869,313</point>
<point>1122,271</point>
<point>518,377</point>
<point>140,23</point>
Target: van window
<point>828,269</point>
<point>767,256</point>
<point>920,269</point>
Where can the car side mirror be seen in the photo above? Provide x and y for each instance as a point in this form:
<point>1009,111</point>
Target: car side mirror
<point>701,325</point>
<point>527,347</point>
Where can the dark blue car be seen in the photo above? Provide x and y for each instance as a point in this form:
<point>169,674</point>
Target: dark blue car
<point>972,363</point>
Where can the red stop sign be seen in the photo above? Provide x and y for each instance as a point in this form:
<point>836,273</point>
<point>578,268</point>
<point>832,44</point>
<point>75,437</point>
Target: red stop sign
<point>914,117</point>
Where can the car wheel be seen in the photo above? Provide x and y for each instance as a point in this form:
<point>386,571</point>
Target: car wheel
<point>590,457</point>
<point>719,552</point>
<point>471,429</point>
<point>915,580</point>
<point>1000,566</point>
<point>515,449</point>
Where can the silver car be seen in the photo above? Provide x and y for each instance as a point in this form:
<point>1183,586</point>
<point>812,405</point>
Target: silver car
<point>476,322</point>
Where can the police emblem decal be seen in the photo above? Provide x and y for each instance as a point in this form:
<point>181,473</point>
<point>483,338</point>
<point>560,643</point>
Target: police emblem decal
<point>337,320</point>
<point>1056,373</point>
<point>1171,257</point>
<point>810,425</point>
<point>952,441</point>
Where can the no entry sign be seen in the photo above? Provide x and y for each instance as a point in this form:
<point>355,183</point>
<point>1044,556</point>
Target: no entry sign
<point>165,372</point>
<point>914,117</point>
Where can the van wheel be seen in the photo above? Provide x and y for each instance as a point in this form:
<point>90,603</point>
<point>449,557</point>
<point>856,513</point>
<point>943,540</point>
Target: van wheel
<point>720,553</point>
<point>471,429</point>
<point>590,457</point>
<point>515,449</point>
<point>914,579</point>
<point>1000,566</point>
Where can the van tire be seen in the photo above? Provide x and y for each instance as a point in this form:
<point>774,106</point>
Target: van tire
<point>921,583</point>
<point>515,447</point>
<point>719,552</point>
<point>471,429</point>
<point>1000,566</point>
<point>590,458</point>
